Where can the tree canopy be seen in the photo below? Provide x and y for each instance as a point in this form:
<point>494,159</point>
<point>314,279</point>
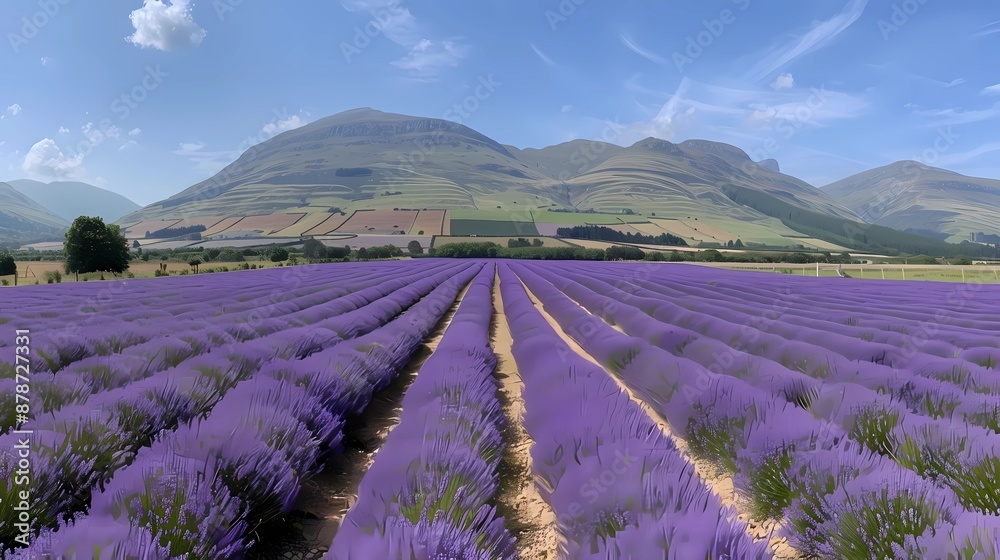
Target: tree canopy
<point>7,265</point>
<point>93,246</point>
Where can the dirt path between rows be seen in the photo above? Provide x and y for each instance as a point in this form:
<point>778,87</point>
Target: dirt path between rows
<point>327,497</point>
<point>719,483</point>
<point>526,514</point>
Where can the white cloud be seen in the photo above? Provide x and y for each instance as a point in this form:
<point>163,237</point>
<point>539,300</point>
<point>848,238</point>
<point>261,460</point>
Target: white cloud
<point>63,130</point>
<point>96,136</point>
<point>46,160</point>
<point>992,90</point>
<point>14,110</point>
<point>135,132</point>
<point>283,125</point>
<point>100,182</point>
<point>127,145</point>
<point>393,20</point>
<point>783,81</point>
<point>816,38</point>
<point>427,59</point>
<point>567,108</point>
<point>46,60</point>
<point>630,44</point>
<point>165,27</point>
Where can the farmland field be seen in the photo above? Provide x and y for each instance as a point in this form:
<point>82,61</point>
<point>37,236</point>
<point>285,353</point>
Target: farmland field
<point>468,409</point>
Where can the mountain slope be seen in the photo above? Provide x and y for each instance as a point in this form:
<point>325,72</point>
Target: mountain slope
<point>23,220</point>
<point>69,200</point>
<point>908,195</point>
<point>357,159</point>
<point>367,159</point>
<point>658,175</point>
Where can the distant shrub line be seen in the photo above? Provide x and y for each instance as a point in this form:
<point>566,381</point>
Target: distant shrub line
<point>602,233</point>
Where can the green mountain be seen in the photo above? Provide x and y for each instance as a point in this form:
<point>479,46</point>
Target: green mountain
<point>23,220</point>
<point>366,159</point>
<point>910,196</point>
<point>70,200</point>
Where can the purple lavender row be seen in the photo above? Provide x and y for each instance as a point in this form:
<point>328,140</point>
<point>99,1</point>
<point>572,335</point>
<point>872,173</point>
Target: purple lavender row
<point>820,354</point>
<point>75,339</point>
<point>197,491</point>
<point>147,350</point>
<point>947,311</point>
<point>771,447</point>
<point>933,387</point>
<point>926,430</point>
<point>618,485</point>
<point>427,494</point>
<point>71,436</point>
<point>967,346</point>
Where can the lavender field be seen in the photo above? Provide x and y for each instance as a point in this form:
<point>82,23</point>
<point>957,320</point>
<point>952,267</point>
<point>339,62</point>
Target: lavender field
<point>439,409</point>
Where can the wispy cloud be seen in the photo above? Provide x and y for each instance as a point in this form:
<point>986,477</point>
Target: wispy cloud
<point>541,55</point>
<point>960,158</point>
<point>988,29</point>
<point>991,90</point>
<point>939,83</point>
<point>956,116</point>
<point>427,59</point>
<point>697,109</point>
<point>816,38</point>
<point>632,46</point>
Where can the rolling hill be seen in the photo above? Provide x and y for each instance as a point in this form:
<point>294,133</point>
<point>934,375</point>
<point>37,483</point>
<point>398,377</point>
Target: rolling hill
<point>910,196</point>
<point>23,220</point>
<point>70,200</point>
<point>366,159</point>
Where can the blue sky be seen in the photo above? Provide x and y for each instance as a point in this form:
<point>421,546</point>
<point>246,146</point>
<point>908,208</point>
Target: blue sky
<point>146,98</point>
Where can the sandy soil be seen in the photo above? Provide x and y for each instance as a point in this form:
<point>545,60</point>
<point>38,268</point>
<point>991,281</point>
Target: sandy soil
<point>527,515</point>
<point>719,482</point>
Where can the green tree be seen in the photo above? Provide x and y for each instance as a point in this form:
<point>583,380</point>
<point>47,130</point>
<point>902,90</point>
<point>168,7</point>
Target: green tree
<point>277,254</point>
<point>7,265</point>
<point>194,264</point>
<point>738,244</point>
<point>314,249</point>
<point>93,246</point>
<point>231,255</point>
<point>362,254</point>
<point>961,260</point>
<point>414,247</point>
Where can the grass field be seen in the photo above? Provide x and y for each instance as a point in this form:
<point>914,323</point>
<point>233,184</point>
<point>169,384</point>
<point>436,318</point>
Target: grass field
<point>492,228</point>
<point>36,270</point>
<point>969,274</point>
